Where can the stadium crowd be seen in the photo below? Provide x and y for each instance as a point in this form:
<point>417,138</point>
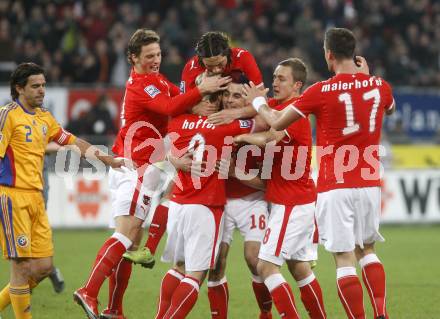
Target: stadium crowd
<point>85,41</point>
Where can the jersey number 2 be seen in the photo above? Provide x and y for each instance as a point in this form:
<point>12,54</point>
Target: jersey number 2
<point>28,133</point>
<point>352,126</point>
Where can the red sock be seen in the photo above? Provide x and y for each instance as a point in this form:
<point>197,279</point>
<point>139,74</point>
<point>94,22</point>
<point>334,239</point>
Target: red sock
<point>184,298</point>
<point>169,283</point>
<point>282,296</point>
<point>218,295</point>
<point>263,297</point>
<point>108,257</point>
<point>157,228</point>
<point>118,283</point>
<point>311,296</point>
<point>350,292</point>
<point>373,275</point>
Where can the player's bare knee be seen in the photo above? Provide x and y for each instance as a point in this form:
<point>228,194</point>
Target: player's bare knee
<point>214,275</point>
<point>43,272</point>
<point>180,267</point>
<point>20,270</point>
<point>362,252</point>
<point>41,268</point>
<point>345,259</point>
<point>199,275</point>
<point>299,269</point>
<point>265,269</point>
<point>252,262</point>
<point>251,250</point>
<point>128,226</point>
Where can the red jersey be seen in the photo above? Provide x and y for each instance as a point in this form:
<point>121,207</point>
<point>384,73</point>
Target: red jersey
<point>235,188</point>
<point>291,182</point>
<point>149,100</point>
<point>349,109</point>
<point>241,59</point>
<point>194,132</point>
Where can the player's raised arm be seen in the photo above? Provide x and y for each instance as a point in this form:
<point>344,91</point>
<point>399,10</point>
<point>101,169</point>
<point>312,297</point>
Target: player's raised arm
<point>278,120</point>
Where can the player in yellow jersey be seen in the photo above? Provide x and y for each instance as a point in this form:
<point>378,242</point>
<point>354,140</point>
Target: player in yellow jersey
<point>25,235</point>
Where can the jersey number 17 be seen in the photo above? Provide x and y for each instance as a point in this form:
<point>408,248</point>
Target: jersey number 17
<point>352,126</point>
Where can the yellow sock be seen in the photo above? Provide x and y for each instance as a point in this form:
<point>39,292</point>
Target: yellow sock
<point>21,301</point>
<point>5,300</point>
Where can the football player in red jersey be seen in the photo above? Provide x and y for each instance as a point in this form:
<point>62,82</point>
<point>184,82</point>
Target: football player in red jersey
<point>247,211</point>
<point>195,222</point>
<point>214,55</point>
<point>292,196</point>
<point>149,99</point>
<point>349,109</point>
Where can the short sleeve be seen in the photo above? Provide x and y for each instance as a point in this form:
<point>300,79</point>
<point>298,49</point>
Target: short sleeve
<point>387,96</point>
<point>58,135</point>
<point>6,128</point>
<point>309,102</point>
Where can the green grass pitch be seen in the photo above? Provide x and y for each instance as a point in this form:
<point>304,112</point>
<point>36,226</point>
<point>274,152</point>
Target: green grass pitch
<point>411,256</point>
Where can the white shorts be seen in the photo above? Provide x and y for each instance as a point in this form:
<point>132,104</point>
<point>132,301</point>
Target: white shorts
<point>132,194</point>
<point>194,233</point>
<point>289,235</point>
<point>249,214</point>
<point>347,217</point>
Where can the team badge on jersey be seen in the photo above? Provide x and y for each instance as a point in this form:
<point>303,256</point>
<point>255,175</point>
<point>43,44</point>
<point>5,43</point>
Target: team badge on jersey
<point>151,90</point>
<point>146,200</point>
<point>22,241</point>
<point>182,86</point>
<point>44,129</point>
<point>245,123</point>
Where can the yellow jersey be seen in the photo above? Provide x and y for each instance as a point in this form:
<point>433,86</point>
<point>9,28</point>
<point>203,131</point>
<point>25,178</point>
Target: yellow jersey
<point>23,139</point>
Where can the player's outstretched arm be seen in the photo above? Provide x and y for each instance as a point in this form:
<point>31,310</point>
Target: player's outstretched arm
<point>278,120</point>
<point>92,152</point>
<point>227,116</point>
<point>260,139</point>
<point>227,168</point>
<point>165,105</point>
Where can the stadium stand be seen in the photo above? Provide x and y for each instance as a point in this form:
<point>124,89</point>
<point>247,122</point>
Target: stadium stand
<point>84,41</point>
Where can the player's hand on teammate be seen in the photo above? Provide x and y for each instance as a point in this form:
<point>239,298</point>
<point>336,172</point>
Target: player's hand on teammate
<point>239,139</point>
<point>223,117</point>
<point>204,108</point>
<point>362,64</point>
<point>251,91</point>
<point>186,163</point>
<point>212,84</point>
